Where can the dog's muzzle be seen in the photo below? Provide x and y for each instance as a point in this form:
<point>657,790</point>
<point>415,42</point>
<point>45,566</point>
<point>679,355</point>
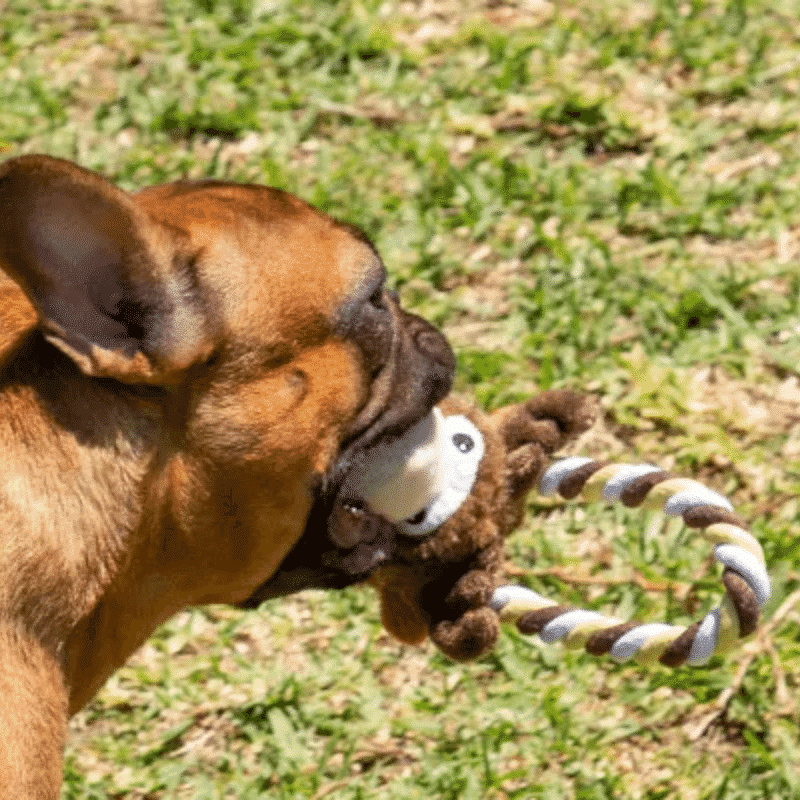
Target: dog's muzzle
<point>342,543</point>
<point>418,374</point>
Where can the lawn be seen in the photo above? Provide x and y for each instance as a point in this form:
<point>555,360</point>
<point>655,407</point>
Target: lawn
<point>599,194</point>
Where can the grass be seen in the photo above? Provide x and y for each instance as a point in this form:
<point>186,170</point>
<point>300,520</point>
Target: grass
<point>602,194</point>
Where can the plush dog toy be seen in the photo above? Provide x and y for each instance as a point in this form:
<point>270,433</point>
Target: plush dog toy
<point>453,487</point>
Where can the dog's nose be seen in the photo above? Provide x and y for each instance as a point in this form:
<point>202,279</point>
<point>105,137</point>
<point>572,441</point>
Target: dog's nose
<point>432,344</point>
<point>432,347</point>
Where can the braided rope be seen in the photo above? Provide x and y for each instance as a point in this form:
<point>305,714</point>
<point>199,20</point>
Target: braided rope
<point>745,577</point>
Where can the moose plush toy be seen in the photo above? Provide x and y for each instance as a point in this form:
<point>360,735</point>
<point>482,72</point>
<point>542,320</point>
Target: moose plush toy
<point>423,518</point>
<point>453,488</point>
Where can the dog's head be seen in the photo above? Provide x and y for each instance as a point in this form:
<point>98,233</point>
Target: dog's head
<point>259,329</point>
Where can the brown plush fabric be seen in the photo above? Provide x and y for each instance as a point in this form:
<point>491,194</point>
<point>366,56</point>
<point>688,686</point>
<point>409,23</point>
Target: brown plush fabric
<point>441,585</point>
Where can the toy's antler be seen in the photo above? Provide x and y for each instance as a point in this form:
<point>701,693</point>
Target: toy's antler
<point>532,432</point>
<point>745,577</point>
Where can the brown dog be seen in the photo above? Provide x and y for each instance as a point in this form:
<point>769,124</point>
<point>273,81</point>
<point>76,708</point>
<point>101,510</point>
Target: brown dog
<point>185,374</point>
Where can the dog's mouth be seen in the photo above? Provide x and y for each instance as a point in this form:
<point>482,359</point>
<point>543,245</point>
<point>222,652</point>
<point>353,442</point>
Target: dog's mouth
<point>344,541</point>
<point>362,537</point>
<point>417,375</point>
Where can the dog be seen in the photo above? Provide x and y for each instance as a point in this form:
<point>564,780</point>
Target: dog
<point>186,374</point>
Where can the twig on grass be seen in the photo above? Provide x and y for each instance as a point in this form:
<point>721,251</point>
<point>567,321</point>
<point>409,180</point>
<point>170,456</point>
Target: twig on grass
<point>762,643</point>
<point>382,117</point>
<point>563,574</point>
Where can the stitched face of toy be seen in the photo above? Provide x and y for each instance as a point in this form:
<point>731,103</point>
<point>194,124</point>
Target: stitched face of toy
<point>460,452</point>
<point>418,481</point>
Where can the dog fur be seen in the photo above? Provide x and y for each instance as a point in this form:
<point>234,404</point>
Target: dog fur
<point>185,374</point>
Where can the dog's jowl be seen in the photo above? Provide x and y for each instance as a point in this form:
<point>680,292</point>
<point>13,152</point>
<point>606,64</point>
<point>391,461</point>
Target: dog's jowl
<point>185,375</point>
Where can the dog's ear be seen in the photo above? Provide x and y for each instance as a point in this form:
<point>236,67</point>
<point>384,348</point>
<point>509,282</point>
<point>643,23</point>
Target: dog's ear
<point>109,283</point>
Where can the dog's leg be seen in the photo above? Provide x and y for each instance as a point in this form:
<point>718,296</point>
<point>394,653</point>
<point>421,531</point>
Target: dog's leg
<point>33,717</point>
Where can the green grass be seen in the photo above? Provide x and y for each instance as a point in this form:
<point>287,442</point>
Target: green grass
<point>600,194</point>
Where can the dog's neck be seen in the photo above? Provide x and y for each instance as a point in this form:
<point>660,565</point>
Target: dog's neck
<point>89,456</point>
<point>80,461</point>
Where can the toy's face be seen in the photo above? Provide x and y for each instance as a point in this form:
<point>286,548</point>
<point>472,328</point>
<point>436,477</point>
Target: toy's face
<point>418,481</point>
<point>460,452</point>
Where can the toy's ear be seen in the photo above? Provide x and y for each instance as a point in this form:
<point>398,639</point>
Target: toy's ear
<point>105,279</point>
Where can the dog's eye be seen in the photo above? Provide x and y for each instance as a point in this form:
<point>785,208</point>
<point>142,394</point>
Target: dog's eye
<point>463,442</point>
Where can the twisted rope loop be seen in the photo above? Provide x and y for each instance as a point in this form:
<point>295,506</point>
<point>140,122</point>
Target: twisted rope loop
<point>747,585</point>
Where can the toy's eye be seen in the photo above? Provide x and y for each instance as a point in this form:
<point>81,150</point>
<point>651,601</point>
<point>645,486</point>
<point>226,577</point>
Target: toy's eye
<point>463,442</point>
<point>418,518</point>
